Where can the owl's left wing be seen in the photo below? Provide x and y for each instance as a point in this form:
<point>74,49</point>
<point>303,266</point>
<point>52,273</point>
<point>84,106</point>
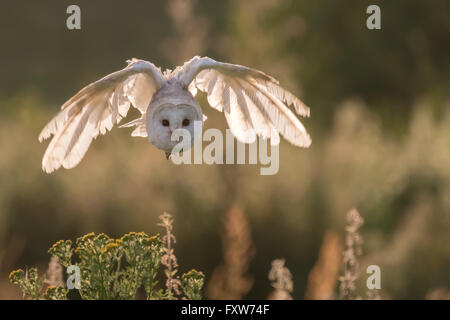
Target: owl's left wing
<point>95,109</point>
<point>253,102</point>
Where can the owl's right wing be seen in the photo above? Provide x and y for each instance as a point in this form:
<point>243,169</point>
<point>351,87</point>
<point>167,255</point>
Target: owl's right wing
<point>253,102</point>
<point>95,109</point>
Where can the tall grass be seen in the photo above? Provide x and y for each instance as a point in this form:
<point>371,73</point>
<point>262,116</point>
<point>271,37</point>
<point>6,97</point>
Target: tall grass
<point>402,184</point>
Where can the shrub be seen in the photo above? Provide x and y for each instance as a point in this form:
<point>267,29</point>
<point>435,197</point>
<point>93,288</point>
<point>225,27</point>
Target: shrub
<point>115,268</point>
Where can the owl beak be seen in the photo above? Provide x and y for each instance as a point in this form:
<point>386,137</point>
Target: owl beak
<point>168,155</point>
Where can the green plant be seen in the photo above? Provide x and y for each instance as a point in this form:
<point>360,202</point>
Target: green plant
<point>192,284</point>
<point>32,285</point>
<point>116,268</point>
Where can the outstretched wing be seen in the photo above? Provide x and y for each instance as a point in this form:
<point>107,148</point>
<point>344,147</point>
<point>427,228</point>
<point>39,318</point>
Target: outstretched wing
<point>253,102</point>
<point>95,109</point>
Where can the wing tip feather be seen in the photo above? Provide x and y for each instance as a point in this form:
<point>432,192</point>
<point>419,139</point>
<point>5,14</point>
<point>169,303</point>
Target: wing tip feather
<point>304,142</point>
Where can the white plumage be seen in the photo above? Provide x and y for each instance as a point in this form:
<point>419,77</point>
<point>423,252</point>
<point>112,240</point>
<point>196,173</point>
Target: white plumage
<point>253,103</point>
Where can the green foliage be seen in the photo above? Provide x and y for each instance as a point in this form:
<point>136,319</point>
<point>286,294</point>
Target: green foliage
<point>110,269</point>
<point>63,250</point>
<point>29,282</point>
<point>32,285</point>
<point>192,283</point>
<point>116,268</point>
<point>55,293</point>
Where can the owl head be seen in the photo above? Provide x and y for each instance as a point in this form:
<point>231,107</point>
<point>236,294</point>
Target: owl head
<point>168,115</point>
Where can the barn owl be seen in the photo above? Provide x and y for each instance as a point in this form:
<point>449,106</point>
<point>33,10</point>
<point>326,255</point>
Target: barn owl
<point>253,103</point>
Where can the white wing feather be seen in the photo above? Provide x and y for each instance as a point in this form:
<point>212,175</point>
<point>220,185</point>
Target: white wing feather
<point>253,102</point>
<point>95,109</point>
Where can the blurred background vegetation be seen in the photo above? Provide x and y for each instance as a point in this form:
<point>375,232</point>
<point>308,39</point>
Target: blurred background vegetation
<point>380,124</point>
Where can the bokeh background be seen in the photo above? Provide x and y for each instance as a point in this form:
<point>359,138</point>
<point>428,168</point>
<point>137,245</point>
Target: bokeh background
<point>380,124</point>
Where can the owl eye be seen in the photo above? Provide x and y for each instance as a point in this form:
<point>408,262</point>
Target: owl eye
<point>165,123</point>
<point>186,122</point>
